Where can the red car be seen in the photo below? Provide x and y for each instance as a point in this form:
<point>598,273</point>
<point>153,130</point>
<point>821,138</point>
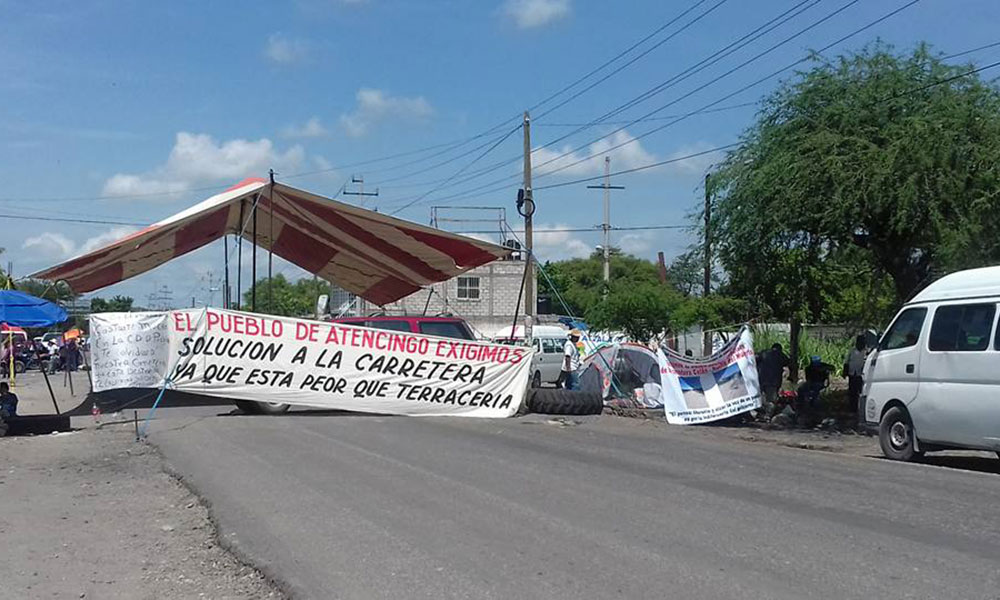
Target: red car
<point>449,327</point>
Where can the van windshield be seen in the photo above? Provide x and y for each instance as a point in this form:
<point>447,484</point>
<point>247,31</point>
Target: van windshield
<point>905,330</point>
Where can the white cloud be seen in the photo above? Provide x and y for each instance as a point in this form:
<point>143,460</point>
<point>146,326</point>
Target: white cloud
<point>50,244</point>
<point>638,243</point>
<point>556,242</point>
<point>199,159</point>
<point>696,165</point>
<point>375,106</point>
<point>527,14</point>
<point>282,50</point>
<point>631,154</point>
<point>55,245</point>
<point>313,128</point>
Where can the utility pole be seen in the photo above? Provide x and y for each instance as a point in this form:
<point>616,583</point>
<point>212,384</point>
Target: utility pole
<point>707,287</point>
<point>526,206</point>
<point>606,226</point>
<point>359,181</point>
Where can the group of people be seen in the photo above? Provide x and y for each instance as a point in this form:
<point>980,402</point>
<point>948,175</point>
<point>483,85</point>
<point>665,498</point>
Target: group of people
<point>771,365</point>
<point>49,355</point>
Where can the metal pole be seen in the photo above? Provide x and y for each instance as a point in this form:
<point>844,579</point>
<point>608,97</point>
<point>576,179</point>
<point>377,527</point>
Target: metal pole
<point>253,267</point>
<point>607,221</point>
<point>530,302</point>
<point>225,292</point>
<point>45,374</point>
<point>270,245</point>
<point>606,226</point>
<point>707,284</point>
<point>239,261</point>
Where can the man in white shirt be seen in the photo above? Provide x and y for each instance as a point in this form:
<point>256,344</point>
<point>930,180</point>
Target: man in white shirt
<point>571,360</point>
<point>854,369</point>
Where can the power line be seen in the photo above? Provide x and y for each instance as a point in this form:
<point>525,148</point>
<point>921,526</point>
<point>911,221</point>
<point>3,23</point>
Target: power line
<point>661,118</point>
<point>460,171</point>
<point>641,168</point>
<point>533,107</point>
<point>741,42</point>
<point>752,59</point>
<point>957,54</point>
<point>570,86</point>
<point>70,220</point>
<point>596,229</point>
<point>636,58</point>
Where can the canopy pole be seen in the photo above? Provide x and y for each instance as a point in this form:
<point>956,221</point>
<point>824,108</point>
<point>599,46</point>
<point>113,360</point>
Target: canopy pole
<point>270,244</point>
<point>253,267</point>
<point>45,374</point>
<point>225,256</point>
<point>239,262</point>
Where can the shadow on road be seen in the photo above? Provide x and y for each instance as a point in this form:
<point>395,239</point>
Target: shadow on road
<point>980,464</point>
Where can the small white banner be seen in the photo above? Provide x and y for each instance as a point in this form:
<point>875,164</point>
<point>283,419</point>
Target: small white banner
<point>703,390</point>
<point>262,358</point>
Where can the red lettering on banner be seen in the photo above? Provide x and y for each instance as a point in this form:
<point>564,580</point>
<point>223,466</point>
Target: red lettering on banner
<point>178,322</point>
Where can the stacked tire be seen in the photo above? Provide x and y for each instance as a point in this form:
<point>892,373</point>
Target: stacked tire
<point>554,401</point>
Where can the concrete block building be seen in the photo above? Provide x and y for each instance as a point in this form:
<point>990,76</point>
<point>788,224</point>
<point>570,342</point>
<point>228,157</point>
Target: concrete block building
<point>485,297</point>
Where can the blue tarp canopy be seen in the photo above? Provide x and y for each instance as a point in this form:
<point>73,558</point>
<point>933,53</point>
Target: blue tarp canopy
<point>25,310</point>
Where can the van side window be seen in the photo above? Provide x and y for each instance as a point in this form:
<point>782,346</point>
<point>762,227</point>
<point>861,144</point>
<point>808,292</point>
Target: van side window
<point>962,328</point>
<point>905,331</point>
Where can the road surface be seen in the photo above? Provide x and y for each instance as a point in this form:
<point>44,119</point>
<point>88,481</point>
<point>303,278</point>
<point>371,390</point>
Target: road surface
<point>338,506</point>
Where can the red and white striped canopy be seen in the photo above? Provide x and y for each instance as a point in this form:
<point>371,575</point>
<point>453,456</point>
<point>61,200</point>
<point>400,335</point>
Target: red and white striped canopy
<point>375,256</point>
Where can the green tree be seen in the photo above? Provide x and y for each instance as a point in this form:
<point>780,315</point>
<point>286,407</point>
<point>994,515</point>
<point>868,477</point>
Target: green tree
<point>281,297</point>
<point>642,311</point>
<point>580,281</point>
<point>116,304</point>
<point>868,174</point>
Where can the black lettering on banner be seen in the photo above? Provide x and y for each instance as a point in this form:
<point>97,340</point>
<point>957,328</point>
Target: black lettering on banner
<point>221,374</point>
<point>438,395</point>
<point>184,372</point>
<point>300,356</point>
<point>406,367</point>
<point>463,372</point>
<point>333,360</point>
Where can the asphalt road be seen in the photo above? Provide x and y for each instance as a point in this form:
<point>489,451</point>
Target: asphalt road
<point>342,506</point>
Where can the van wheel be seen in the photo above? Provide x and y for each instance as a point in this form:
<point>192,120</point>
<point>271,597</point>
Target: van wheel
<point>565,402</point>
<point>536,379</point>
<point>272,408</point>
<point>895,435</point>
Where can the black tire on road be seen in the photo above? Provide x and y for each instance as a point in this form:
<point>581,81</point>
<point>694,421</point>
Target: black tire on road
<point>564,402</point>
<point>272,408</point>
<point>248,407</point>
<point>536,379</point>
<point>19,367</point>
<point>895,435</point>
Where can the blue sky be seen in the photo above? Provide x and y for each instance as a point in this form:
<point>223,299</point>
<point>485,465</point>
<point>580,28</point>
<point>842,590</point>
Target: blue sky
<point>130,111</point>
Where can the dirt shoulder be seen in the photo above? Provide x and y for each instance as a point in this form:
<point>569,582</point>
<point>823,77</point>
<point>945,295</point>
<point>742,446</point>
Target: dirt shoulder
<point>92,514</point>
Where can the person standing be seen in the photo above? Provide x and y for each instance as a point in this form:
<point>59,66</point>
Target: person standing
<point>571,360</point>
<point>771,368</point>
<point>854,370</point>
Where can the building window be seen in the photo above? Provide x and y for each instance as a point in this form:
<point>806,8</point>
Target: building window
<point>468,288</point>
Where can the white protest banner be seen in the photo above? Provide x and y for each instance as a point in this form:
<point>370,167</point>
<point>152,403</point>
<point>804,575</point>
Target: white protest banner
<point>703,390</point>
<point>128,349</point>
<point>262,358</point>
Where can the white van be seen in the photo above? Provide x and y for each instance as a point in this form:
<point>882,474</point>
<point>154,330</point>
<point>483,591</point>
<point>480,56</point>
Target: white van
<point>548,342</point>
<point>933,383</point>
